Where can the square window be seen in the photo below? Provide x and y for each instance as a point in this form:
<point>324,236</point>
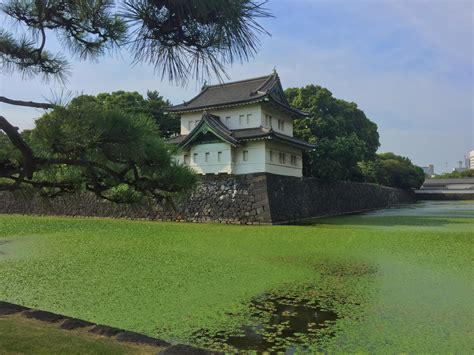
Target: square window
<point>241,119</point>
<point>195,157</point>
<point>271,155</point>
<point>227,120</point>
<point>245,155</point>
<point>206,157</point>
<point>293,160</point>
<point>219,156</point>
<point>190,125</point>
<point>248,118</point>
<point>282,157</point>
<point>186,159</point>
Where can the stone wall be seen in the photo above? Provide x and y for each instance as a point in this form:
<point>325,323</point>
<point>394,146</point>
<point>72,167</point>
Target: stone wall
<point>451,195</point>
<point>293,199</point>
<point>218,198</point>
<point>242,199</point>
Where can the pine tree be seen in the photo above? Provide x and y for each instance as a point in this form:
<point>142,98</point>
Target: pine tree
<point>180,38</point>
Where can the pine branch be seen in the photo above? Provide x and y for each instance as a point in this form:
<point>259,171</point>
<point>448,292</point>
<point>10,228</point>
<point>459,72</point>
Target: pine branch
<point>17,140</point>
<point>42,105</point>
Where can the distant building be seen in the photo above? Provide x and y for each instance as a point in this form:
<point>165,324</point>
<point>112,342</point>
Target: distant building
<point>448,184</point>
<point>460,168</point>
<point>446,189</point>
<point>428,170</point>
<point>471,159</point>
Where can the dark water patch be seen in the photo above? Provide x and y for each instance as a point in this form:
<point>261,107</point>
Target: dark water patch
<point>281,323</point>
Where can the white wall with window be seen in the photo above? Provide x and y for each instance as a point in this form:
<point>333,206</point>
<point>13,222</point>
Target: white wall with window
<point>240,117</point>
<point>282,159</point>
<point>253,157</point>
<point>249,158</point>
<point>210,158</point>
<point>278,120</point>
<point>248,116</point>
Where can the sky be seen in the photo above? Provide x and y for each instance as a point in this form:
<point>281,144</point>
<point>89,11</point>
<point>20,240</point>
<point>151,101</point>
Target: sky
<point>408,64</point>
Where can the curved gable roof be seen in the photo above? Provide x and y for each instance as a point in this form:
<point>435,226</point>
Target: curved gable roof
<point>212,124</point>
<point>266,88</point>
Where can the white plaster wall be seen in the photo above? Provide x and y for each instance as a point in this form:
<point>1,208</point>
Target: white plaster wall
<point>275,167</point>
<point>258,159</point>
<point>255,158</point>
<point>212,166</point>
<point>277,115</point>
<point>255,118</point>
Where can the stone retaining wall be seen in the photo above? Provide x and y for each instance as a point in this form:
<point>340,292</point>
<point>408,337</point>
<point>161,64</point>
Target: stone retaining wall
<point>293,199</point>
<point>452,195</point>
<point>241,199</point>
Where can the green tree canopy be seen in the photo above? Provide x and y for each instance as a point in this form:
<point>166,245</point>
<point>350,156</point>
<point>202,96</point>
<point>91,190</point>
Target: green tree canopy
<point>342,133</point>
<point>134,103</point>
<point>392,170</point>
<point>457,174</point>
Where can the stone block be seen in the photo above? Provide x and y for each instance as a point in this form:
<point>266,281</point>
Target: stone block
<point>44,316</point>
<point>105,330</point>
<point>10,308</point>
<point>73,323</point>
<point>132,337</point>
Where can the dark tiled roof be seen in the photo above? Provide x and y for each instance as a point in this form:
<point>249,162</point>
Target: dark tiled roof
<point>213,123</point>
<point>262,133</point>
<point>239,92</point>
<point>176,139</point>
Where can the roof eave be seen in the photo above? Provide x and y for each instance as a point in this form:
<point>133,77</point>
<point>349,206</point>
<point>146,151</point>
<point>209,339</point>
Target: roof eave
<point>300,144</point>
<point>210,107</point>
<point>290,109</point>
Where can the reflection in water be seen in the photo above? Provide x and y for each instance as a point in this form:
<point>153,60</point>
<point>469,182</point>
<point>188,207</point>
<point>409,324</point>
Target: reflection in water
<point>282,323</point>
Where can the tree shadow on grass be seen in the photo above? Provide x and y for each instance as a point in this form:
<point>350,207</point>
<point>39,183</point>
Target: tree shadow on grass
<point>390,221</point>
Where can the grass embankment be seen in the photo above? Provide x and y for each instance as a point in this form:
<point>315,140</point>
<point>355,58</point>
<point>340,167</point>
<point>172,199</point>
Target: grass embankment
<point>19,335</point>
<point>401,281</point>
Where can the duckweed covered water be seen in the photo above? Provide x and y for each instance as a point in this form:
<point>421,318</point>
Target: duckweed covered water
<point>398,280</point>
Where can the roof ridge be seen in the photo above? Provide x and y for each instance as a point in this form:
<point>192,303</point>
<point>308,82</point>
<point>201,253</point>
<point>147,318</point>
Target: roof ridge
<point>239,81</point>
<point>269,78</point>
